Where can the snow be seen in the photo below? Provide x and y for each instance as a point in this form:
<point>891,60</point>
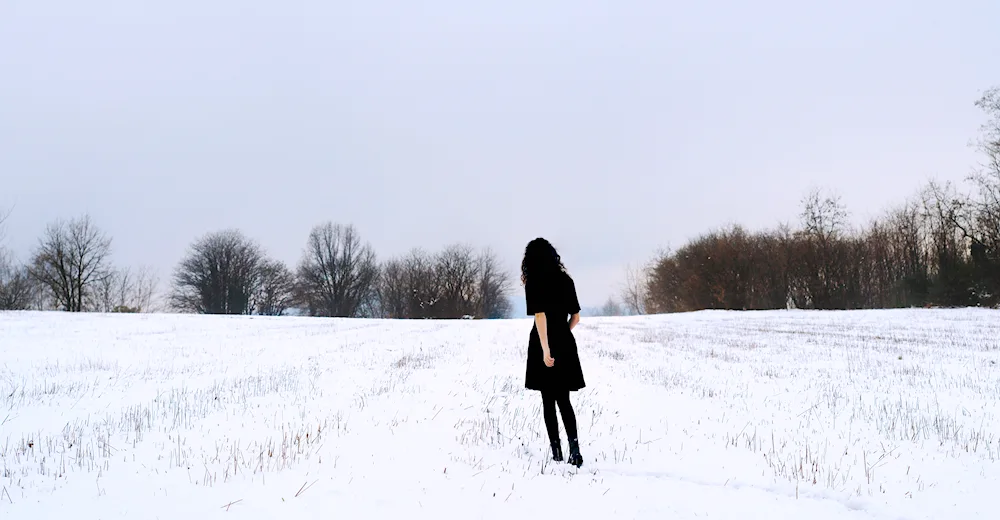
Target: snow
<point>732,415</point>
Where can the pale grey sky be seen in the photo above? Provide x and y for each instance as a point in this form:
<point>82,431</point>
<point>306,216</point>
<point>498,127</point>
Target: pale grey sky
<point>612,128</point>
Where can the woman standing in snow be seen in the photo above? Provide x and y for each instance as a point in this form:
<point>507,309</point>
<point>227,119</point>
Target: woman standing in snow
<point>553,362</point>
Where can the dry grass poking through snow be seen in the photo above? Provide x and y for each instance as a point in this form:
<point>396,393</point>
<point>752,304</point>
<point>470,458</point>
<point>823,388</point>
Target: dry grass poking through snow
<point>865,402</point>
<point>857,405</point>
<point>892,409</point>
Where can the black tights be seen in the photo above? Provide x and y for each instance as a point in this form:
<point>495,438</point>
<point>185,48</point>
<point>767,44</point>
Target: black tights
<point>549,400</point>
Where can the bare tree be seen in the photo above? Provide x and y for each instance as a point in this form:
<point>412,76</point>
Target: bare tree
<point>493,287</point>
<point>338,273</point>
<point>15,283</point>
<point>470,284</point>
<point>393,291</point>
<point>819,256</point>
<point>989,139</point>
<point>415,286</point>
<point>981,218</point>
<point>456,273</point>
<point>611,308</point>
<point>221,274</point>
<point>17,288</point>
<point>663,285</point>
<point>277,289</point>
<point>70,259</point>
<point>409,287</point>
<point>422,285</point>
<point>947,214</point>
<point>908,257</point>
<point>634,291</point>
<point>823,216</point>
<point>124,290</point>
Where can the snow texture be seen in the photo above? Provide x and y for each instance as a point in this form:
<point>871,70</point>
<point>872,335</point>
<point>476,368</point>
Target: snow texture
<point>728,415</point>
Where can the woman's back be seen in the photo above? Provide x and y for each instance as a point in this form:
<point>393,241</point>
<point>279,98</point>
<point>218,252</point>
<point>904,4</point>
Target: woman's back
<point>553,294</point>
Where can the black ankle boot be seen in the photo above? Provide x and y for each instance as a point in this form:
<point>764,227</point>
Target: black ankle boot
<point>557,454</point>
<point>574,453</point>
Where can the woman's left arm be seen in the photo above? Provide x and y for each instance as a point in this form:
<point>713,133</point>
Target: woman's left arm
<point>574,320</point>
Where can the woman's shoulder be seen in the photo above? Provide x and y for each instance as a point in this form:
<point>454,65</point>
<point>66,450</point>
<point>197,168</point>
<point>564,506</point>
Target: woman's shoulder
<point>556,281</point>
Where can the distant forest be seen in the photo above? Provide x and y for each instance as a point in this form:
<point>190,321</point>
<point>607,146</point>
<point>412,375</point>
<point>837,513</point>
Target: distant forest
<point>939,248</point>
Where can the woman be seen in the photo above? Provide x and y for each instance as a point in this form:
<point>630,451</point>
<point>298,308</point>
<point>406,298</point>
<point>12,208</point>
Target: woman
<point>553,362</point>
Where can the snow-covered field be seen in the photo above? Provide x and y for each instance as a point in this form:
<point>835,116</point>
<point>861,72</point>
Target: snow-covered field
<point>888,414</point>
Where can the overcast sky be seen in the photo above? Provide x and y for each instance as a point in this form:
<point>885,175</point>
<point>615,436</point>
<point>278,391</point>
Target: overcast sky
<point>612,128</point>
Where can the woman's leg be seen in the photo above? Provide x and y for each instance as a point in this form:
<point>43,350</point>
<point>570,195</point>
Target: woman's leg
<point>568,416</point>
<point>549,412</point>
<point>569,420</point>
<point>551,423</point>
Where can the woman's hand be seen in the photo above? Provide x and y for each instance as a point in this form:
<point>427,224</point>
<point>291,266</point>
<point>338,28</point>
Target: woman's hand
<point>547,356</point>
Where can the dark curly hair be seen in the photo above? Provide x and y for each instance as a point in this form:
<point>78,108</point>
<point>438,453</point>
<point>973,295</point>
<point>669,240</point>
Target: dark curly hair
<point>540,259</point>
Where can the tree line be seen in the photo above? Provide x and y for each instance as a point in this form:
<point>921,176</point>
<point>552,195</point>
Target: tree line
<point>340,276</point>
<point>939,248</point>
<point>226,272</point>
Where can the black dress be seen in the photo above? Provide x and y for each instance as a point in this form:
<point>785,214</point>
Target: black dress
<point>556,297</point>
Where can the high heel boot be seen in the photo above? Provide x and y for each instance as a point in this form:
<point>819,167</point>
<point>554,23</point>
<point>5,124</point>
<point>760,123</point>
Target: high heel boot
<point>574,453</point>
<point>557,454</point>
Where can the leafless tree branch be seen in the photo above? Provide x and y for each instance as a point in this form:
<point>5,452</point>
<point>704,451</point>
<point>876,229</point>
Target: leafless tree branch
<point>221,274</point>
<point>338,273</point>
<point>125,290</point>
<point>634,295</point>
<point>277,289</point>
<point>70,260</point>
